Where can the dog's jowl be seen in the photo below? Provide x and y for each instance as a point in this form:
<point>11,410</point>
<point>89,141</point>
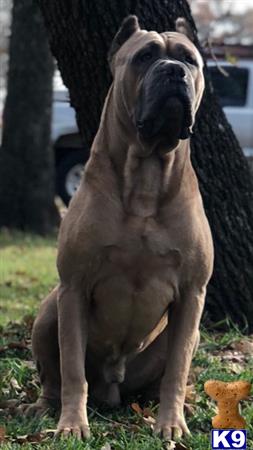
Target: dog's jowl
<point>135,249</point>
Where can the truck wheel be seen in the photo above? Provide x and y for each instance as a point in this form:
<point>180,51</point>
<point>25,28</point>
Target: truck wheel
<point>69,173</point>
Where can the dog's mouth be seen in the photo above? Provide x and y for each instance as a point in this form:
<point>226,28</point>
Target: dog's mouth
<point>173,117</point>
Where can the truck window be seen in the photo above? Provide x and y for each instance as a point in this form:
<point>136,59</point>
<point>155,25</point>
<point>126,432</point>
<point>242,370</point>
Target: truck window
<point>231,89</point>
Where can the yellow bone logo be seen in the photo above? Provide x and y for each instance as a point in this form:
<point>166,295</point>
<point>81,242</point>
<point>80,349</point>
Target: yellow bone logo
<point>228,396</point>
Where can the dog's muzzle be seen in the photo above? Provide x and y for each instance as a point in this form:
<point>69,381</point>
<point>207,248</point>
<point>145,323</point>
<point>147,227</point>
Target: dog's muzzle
<point>165,100</point>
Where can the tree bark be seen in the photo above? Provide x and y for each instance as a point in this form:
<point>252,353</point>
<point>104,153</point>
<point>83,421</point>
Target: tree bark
<point>80,34</point>
<point>26,158</point>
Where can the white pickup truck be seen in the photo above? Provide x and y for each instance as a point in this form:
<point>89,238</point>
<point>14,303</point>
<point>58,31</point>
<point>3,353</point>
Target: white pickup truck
<point>235,91</point>
<point>234,88</point>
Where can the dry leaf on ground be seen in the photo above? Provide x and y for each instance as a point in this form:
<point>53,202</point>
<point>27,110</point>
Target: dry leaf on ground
<point>106,446</point>
<point>31,438</point>
<point>136,408</point>
<point>14,384</point>
<point>171,445</point>
<point>194,374</point>
<point>2,434</point>
<point>9,404</point>
<point>235,368</point>
<point>245,346</point>
<point>149,421</point>
<point>191,394</point>
<point>180,446</point>
<point>49,433</point>
<point>147,412</point>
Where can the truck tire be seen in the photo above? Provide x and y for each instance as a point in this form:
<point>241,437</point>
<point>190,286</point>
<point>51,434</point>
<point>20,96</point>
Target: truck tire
<point>68,174</point>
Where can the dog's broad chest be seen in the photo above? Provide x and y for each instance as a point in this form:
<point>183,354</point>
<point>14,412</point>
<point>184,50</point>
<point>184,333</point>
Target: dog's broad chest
<point>136,283</point>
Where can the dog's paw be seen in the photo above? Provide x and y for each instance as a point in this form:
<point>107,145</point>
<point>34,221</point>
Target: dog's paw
<point>171,428</point>
<point>73,427</point>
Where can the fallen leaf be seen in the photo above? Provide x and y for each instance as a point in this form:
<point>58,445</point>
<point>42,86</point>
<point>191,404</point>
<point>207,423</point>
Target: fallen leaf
<point>191,394</point>
<point>171,445</point>
<point>3,349</point>
<point>21,439</point>
<point>149,420</point>
<point>14,346</point>
<point>147,412</point>
<point>233,356</point>
<point>235,368</point>
<point>136,408</point>
<point>20,272</point>
<point>194,374</point>
<point>2,434</point>
<point>180,446</point>
<point>28,321</point>
<point>30,394</point>
<point>245,346</point>
<point>106,446</point>
<point>17,345</point>
<point>49,433</point>
<point>9,404</point>
<point>29,364</point>
<point>31,438</point>
<point>5,391</point>
<point>14,384</point>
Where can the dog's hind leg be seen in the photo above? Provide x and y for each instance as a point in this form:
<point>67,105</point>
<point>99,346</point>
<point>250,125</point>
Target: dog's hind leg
<point>46,354</point>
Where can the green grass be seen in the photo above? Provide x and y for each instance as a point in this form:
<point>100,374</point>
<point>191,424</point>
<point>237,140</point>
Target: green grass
<point>27,273</point>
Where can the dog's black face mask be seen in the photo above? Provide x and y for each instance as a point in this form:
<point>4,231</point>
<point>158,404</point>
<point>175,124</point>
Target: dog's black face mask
<point>170,85</point>
<point>165,103</point>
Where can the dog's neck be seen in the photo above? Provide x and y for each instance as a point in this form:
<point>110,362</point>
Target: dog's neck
<point>144,182</point>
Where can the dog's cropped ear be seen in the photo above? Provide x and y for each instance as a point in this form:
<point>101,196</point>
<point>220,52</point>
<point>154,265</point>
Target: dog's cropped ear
<point>128,27</point>
<point>182,26</point>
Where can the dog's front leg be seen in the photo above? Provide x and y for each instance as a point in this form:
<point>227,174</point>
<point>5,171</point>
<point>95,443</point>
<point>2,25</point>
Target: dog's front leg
<point>182,335</point>
<point>72,319</point>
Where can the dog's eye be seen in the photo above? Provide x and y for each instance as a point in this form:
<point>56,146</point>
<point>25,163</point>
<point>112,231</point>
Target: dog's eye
<point>147,56</point>
<point>190,60</point>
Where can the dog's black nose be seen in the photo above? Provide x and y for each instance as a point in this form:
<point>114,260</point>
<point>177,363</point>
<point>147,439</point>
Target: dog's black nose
<point>175,70</point>
<point>171,69</point>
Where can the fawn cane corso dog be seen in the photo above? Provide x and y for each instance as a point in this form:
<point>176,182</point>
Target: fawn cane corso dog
<point>135,248</point>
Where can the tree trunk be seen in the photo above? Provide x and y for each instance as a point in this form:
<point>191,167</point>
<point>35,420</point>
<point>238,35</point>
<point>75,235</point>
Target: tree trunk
<point>80,35</point>
<point>26,160</point>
